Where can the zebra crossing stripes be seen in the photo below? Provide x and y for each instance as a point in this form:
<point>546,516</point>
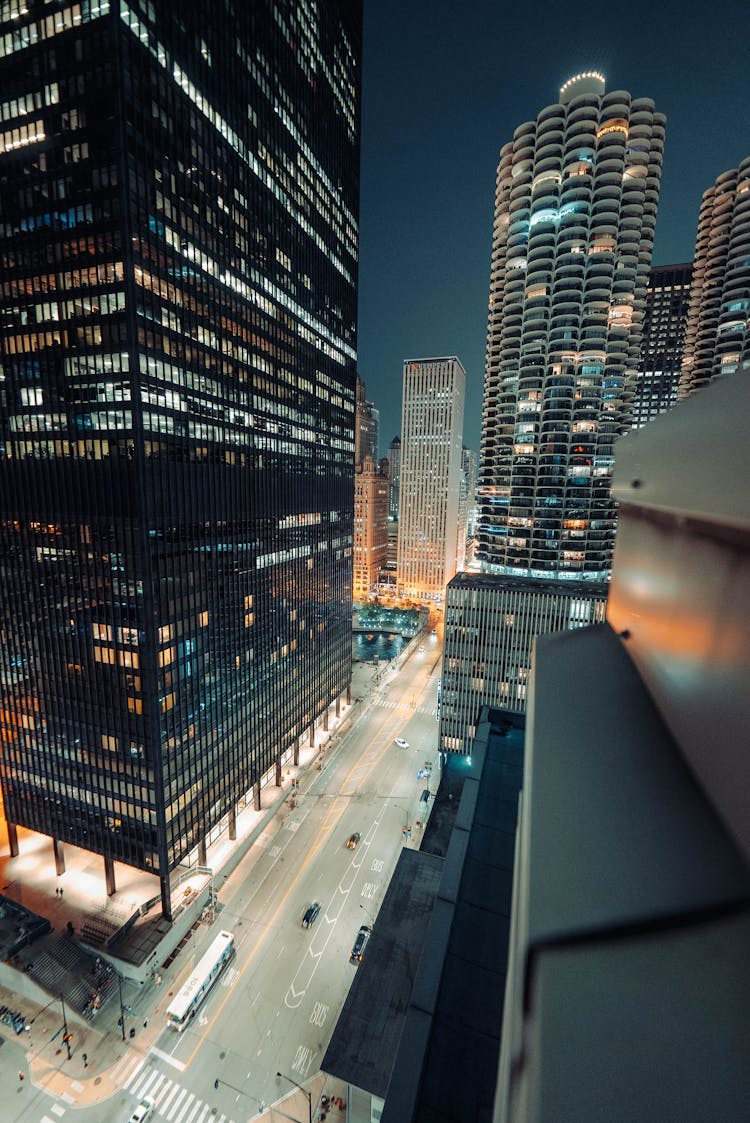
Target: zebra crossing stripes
<point>172,1101</point>
<point>386,705</point>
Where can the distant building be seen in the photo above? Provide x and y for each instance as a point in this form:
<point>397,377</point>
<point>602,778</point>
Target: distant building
<point>370,526</point>
<point>432,427</point>
<point>490,626</point>
<point>366,425</point>
<point>394,459</point>
<point>466,508</point>
<point>575,210</point>
<point>717,339</point>
<point>664,326</point>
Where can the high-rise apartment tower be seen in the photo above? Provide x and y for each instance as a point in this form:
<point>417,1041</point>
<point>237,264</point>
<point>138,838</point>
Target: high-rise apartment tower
<point>717,339</point>
<point>178,262</point>
<point>432,417</point>
<point>575,209</point>
<point>394,460</point>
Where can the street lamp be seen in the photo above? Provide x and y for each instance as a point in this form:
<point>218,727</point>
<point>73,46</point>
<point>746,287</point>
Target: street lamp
<point>122,1008</point>
<point>368,913</point>
<point>304,1090</point>
<point>66,1037</point>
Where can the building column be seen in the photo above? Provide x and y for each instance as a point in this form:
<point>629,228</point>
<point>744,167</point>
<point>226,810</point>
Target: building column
<point>277,780</point>
<point>232,824</point>
<point>348,694</point>
<point>109,876</point>
<point>166,897</point>
<point>59,853</point>
<point>325,720</point>
<point>13,839</point>
<point>338,705</point>
<point>202,852</point>
<point>312,734</point>
<point>256,795</point>
<point>295,753</point>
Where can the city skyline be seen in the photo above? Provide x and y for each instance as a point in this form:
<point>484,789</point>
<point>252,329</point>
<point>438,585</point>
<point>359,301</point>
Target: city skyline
<point>435,173</point>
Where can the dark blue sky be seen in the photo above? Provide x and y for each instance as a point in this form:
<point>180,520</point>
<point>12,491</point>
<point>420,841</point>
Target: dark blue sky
<point>445,83</point>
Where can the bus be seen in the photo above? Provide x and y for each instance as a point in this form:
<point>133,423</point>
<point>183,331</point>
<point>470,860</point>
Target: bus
<point>187,1000</point>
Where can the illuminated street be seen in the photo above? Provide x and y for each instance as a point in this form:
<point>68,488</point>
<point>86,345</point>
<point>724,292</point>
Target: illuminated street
<point>275,1006</point>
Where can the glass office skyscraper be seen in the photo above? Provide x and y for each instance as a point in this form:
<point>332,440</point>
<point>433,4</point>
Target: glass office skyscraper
<point>178,268</point>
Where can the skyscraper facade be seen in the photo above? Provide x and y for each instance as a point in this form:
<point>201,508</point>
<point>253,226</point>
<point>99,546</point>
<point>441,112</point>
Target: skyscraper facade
<point>370,526</point>
<point>664,325</point>
<point>575,209</point>
<point>394,461</point>
<point>717,339</point>
<point>178,262</point>
<point>432,418</point>
<point>366,426</point>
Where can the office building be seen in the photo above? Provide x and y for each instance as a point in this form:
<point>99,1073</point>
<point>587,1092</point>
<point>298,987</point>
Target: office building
<point>490,627</point>
<point>178,262</point>
<point>366,425</point>
<point>370,526</point>
<point>394,460</point>
<point>717,339</point>
<point>664,325</point>
<point>432,417</point>
<point>466,509</point>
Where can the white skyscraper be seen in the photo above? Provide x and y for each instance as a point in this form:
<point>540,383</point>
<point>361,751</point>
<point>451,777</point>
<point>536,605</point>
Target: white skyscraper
<point>432,417</point>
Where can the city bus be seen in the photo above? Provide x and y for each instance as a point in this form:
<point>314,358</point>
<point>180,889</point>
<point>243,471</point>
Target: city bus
<point>187,1000</point>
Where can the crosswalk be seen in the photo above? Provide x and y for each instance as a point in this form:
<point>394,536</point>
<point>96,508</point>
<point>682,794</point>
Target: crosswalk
<point>172,1101</point>
<point>404,706</point>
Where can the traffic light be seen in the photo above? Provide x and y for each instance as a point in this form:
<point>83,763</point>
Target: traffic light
<point>216,1082</point>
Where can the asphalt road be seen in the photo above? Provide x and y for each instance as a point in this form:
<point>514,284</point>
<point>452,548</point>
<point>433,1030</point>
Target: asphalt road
<point>275,1006</point>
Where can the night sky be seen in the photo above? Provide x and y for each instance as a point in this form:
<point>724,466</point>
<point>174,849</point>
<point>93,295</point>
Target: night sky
<point>446,83</point>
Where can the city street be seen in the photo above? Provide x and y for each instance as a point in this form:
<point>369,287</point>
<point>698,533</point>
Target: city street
<point>275,1006</point>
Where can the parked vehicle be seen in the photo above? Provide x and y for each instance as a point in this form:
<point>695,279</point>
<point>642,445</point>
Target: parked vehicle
<point>360,943</point>
<point>402,744</point>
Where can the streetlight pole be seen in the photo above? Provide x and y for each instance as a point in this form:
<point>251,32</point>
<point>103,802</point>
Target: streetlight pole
<point>303,1090</point>
<point>66,1035</point>
<point>368,914</point>
<point>122,1008</point>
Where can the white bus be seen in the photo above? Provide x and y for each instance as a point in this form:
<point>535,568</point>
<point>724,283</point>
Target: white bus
<point>187,1000</point>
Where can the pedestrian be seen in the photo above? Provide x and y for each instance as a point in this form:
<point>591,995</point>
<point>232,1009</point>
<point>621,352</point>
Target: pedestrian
<point>61,892</point>
<point>145,1023</point>
<point>85,1060</point>
<point>57,892</point>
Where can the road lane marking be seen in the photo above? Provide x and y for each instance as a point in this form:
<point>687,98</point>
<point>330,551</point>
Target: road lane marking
<point>170,1060</point>
<point>134,1073</point>
<point>185,1108</point>
<point>177,1102</point>
<point>57,1109</point>
<point>172,1094</point>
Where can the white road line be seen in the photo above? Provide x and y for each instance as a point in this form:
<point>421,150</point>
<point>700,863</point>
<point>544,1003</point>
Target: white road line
<point>146,1087</point>
<point>45,1119</point>
<point>133,1074</point>
<point>196,1108</point>
<point>57,1109</point>
<point>163,1090</point>
<point>163,1107</point>
<point>127,1062</point>
<point>204,1113</point>
<point>177,1102</point>
<point>170,1060</point>
<point>185,1108</point>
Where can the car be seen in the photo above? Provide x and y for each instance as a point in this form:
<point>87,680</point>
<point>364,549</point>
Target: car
<point>143,1111</point>
<point>311,914</point>
<point>402,744</point>
<point>360,943</point>
<point>353,840</point>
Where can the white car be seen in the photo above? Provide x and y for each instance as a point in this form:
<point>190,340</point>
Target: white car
<point>402,744</point>
<point>143,1111</point>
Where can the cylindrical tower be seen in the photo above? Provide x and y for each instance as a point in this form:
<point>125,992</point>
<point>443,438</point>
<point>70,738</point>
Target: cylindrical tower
<point>575,209</point>
<point>717,338</point>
